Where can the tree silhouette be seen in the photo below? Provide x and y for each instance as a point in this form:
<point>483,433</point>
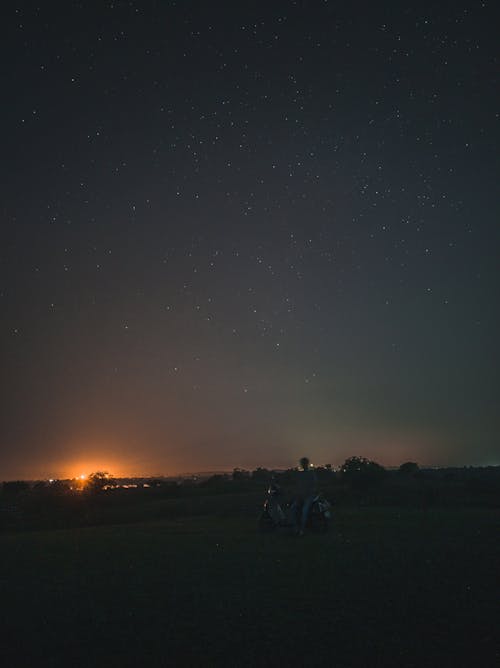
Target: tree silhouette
<point>409,468</point>
<point>97,481</point>
<point>361,472</point>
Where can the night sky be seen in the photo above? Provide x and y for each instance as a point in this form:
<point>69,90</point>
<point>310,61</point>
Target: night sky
<point>237,233</point>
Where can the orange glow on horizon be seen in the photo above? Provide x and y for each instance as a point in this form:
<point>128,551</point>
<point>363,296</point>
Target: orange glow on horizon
<point>82,470</point>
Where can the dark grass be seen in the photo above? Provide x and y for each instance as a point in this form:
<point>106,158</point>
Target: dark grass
<point>386,587</point>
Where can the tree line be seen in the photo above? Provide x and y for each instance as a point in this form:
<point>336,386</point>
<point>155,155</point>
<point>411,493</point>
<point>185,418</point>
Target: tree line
<point>359,482</point>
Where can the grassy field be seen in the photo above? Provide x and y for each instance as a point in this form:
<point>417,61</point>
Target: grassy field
<point>386,587</point>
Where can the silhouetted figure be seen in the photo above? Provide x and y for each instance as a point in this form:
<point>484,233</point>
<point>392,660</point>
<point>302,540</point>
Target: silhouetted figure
<point>275,494</point>
<point>306,491</point>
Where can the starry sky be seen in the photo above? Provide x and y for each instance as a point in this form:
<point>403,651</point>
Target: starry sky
<point>237,233</point>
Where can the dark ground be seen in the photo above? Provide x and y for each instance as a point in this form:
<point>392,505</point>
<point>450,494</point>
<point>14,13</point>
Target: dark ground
<point>386,587</point>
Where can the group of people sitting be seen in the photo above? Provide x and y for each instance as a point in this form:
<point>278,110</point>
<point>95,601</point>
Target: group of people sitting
<point>304,493</point>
